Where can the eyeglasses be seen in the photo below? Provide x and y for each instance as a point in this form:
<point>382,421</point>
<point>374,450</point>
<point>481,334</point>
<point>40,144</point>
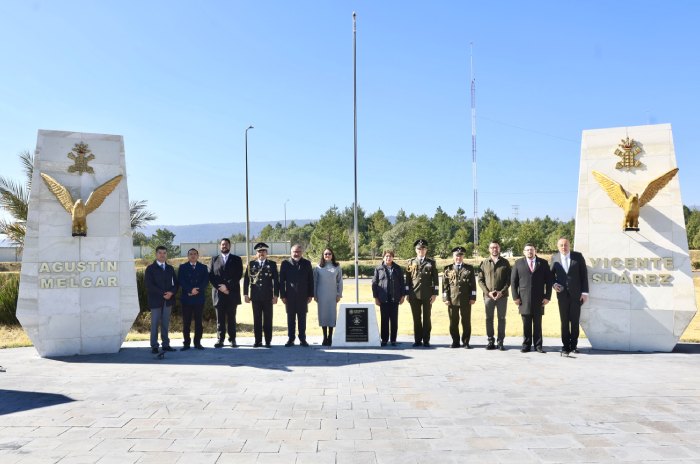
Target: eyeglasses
<point>327,254</point>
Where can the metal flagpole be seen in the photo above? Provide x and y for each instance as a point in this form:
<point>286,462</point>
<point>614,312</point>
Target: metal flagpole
<point>354,104</point>
<point>247,215</point>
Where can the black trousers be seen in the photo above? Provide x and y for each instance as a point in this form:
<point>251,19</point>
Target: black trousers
<point>262,320</point>
<point>226,321</point>
<point>389,316</point>
<point>188,313</point>
<point>499,306</point>
<point>422,326</point>
<point>569,314</point>
<point>465,312</point>
<point>295,315</point>
<point>532,330</point>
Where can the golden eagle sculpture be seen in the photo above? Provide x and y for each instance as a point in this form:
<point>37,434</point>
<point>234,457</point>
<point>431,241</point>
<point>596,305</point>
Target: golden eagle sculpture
<point>631,203</point>
<point>77,209</point>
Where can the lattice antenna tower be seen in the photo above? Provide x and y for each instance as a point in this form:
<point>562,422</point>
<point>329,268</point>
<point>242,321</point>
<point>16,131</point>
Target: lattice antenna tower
<point>474,183</point>
<point>516,211</point>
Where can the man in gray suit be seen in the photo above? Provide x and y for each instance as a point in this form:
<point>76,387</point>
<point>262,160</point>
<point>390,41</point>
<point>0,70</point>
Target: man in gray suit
<point>531,288</point>
<point>571,285</point>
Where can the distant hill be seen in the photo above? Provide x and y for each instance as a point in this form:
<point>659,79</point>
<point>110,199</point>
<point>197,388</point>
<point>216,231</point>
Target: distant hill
<point>204,233</point>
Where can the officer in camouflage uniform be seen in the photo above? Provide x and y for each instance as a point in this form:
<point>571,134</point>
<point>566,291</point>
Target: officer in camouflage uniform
<point>459,292</point>
<point>263,280</point>
<point>422,286</point>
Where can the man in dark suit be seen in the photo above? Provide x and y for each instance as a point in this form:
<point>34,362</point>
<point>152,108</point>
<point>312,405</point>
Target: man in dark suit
<point>225,272</point>
<point>263,281</point>
<point>193,277</point>
<point>571,285</point>
<point>161,286</point>
<point>531,288</point>
<point>296,290</point>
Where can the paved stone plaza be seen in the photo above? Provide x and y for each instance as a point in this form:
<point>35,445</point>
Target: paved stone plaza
<point>314,405</point>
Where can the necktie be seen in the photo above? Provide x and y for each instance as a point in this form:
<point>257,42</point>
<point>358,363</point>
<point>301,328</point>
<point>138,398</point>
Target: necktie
<point>193,267</point>
<point>566,263</point>
<point>532,265</point>
<point>162,266</point>
<point>459,266</point>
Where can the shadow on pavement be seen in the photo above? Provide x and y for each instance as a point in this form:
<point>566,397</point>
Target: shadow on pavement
<point>16,400</point>
<point>275,358</point>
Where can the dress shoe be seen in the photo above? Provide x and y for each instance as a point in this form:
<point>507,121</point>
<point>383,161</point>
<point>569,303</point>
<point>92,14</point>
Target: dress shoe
<point>154,350</point>
<point>383,343</point>
<point>267,344</point>
<point>416,344</point>
<point>199,347</point>
<point>289,343</point>
<point>575,350</point>
<point>257,345</point>
<point>501,347</point>
<point>219,345</point>
<point>393,343</point>
<point>525,349</point>
<point>491,346</point>
<point>303,343</point>
<point>169,348</point>
<point>185,348</point>
<point>563,353</point>
<point>233,345</point>
<point>467,346</point>
<point>540,350</point>
<point>426,344</point>
<point>454,345</point>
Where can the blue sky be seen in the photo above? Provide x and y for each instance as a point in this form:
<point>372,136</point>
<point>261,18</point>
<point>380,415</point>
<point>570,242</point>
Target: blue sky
<point>182,80</point>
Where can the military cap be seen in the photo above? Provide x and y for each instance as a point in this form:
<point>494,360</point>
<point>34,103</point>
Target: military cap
<point>459,250</point>
<point>421,242</point>
<point>261,246</point>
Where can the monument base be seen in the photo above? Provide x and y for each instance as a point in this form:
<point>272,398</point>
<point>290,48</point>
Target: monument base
<point>356,326</point>
<point>645,330</point>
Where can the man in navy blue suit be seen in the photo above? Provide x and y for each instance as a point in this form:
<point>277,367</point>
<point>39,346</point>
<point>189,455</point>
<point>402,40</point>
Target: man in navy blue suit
<point>193,277</point>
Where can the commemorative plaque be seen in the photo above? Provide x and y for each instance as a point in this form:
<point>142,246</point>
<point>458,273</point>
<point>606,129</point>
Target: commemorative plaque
<point>356,326</point>
<point>357,329</point>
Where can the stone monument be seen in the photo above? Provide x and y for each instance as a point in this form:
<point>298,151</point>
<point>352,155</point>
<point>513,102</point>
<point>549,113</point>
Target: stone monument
<point>631,230</point>
<point>77,292</point>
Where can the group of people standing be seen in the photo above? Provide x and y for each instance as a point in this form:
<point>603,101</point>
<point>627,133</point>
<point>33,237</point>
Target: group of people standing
<point>531,281</point>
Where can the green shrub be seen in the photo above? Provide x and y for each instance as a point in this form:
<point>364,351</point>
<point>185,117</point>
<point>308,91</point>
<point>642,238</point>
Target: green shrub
<point>365,270</point>
<point>9,291</point>
<point>696,264</point>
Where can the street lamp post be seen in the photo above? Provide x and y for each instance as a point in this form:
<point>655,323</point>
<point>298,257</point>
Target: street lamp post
<point>285,218</point>
<point>247,212</point>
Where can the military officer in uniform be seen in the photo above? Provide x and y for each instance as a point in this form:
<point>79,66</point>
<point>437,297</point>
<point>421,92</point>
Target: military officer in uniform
<point>422,286</point>
<point>459,292</point>
<point>262,279</point>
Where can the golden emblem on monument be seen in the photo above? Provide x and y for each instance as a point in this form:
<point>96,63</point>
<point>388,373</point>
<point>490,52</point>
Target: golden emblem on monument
<point>81,155</point>
<point>77,209</point>
<point>631,203</point>
<point>630,149</point>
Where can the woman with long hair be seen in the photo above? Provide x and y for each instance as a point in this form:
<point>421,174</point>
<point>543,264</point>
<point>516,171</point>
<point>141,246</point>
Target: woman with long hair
<point>328,290</point>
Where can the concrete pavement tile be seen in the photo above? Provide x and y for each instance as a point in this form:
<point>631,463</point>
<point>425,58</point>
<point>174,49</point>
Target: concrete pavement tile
<point>224,445</point>
<point>298,446</point>
<point>416,433</point>
<point>354,434</point>
<point>189,445</point>
<point>238,458</point>
<point>283,434</point>
<point>80,459</point>
<point>120,458</point>
<point>393,433</point>
<point>198,458</point>
<point>158,457</point>
<point>145,433</point>
<point>316,458</point>
<point>151,444</point>
<point>114,445</point>
<point>315,435</point>
<point>352,457</point>
<point>261,446</point>
<point>304,424</point>
<point>336,445</point>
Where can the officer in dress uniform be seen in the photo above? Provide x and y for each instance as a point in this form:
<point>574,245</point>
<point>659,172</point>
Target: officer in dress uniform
<point>459,292</point>
<point>422,286</point>
<point>262,279</point>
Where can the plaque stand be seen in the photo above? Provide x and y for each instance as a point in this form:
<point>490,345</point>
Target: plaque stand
<point>357,326</point>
